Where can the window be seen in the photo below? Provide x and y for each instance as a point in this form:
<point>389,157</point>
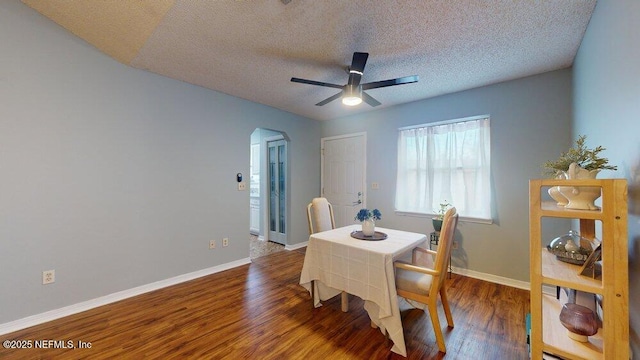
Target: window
<point>445,161</point>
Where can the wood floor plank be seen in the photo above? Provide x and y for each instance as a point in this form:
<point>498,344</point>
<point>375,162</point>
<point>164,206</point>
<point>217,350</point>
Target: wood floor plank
<point>258,311</point>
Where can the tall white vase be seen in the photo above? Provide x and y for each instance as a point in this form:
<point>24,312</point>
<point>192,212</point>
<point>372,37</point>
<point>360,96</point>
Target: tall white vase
<point>581,197</point>
<point>369,227</point>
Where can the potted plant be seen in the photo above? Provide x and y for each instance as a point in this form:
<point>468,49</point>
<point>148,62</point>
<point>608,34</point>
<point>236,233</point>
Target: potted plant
<point>437,220</point>
<point>579,162</point>
<point>588,159</point>
<point>367,218</point>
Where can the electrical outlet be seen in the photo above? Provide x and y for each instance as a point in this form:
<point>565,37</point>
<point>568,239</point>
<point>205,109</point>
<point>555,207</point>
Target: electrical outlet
<point>375,186</point>
<point>212,244</point>
<point>48,277</point>
<point>242,186</point>
<point>455,245</point>
<point>225,242</point>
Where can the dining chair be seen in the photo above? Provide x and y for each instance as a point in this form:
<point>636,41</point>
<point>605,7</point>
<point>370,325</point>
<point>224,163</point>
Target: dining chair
<point>320,215</point>
<point>423,284</point>
<point>320,218</point>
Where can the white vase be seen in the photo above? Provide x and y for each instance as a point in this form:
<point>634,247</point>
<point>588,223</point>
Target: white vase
<point>368,227</point>
<point>581,197</point>
<point>556,195</point>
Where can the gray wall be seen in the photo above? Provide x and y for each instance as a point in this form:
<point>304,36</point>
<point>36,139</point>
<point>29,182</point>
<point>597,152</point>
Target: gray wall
<point>116,177</point>
<point>530,123</point>
<point>607,107</point>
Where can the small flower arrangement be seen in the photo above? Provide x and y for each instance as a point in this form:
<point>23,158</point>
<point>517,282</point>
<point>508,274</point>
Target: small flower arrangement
<point>437,220</point>
<point>444,206</point>
<point>366,214</point>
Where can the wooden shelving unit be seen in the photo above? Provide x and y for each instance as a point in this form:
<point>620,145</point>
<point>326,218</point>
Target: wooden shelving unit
<point>547,333</point>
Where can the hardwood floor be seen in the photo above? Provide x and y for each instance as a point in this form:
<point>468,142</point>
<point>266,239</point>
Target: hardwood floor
<point>258,311</point>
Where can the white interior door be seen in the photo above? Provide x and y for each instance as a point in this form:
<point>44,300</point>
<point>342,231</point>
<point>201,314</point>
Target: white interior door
<point>277,170</point>
<point>344,165</point>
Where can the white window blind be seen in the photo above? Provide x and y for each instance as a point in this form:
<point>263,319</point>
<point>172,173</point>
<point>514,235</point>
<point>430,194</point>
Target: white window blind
<point>445,162</point>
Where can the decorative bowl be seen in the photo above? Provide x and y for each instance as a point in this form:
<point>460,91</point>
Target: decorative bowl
<point>570,248</point>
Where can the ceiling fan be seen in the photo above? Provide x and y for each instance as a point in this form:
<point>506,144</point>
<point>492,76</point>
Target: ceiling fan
<point>353,92</point>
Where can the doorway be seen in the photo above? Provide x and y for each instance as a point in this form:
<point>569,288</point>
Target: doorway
<point>269,195</point>
<point>277,186</point>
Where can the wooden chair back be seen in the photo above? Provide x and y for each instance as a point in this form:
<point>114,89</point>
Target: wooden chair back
<point>424,283</point>
<point>445,244</point>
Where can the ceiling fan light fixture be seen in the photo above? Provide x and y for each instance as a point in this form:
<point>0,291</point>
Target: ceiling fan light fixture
<point>351,100</point>
<point>352,95</point>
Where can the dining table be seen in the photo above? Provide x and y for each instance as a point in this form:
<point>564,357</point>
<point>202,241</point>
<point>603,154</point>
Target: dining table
<point>337,262</point>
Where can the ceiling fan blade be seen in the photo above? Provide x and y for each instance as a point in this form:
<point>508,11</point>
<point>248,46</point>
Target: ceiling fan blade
<point>359,61</point>
<point>329,99</point>
<point>318,83</point>
<point>370,100</point>
<point>391,82</point>
<point>357,67</point>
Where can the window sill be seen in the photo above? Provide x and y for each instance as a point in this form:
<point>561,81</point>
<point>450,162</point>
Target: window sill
<point>460,218</point>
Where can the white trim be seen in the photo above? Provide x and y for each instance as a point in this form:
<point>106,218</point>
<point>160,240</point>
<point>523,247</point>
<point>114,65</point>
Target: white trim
<point>338,137</point>
<point>268,234</point>
<point>444,122</point>
<point>492,278</point>
<point>111,298</point>
<point>264,183</point>
<point>549,289</point>
<point>296,246</point>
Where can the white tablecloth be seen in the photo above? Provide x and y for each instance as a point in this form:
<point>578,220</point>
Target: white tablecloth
<point>363,268</point>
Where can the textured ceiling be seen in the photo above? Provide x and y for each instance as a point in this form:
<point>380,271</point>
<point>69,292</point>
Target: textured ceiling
<point>252,48</point>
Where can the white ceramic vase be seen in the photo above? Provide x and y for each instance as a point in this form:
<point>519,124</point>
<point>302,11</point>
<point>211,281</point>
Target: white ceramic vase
<point>369,227</point>
<point>555,194</point>
<point>580,197</point>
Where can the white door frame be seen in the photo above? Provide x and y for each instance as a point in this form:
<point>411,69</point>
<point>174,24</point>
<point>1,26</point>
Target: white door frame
<point>264,186</point>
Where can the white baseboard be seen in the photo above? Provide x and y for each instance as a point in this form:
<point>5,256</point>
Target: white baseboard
<point>121,295</point>
<point>296,246</point>
<point>492,278</point>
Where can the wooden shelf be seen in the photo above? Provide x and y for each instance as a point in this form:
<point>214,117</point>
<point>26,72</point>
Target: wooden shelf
<point>558,273</point>
<point>555,339</point>
<point>551,209</point>
<point>547,333</point>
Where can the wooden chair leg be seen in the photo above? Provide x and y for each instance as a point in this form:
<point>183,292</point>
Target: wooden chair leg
<point>433,312</point>
<point>445,305</point>
<point>345,301</point>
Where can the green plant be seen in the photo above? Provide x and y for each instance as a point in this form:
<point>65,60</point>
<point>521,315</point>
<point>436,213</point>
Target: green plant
<point>586,158</point>
<point>444,206</point>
